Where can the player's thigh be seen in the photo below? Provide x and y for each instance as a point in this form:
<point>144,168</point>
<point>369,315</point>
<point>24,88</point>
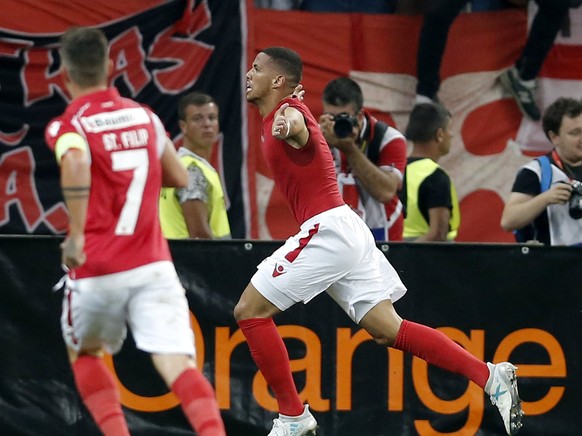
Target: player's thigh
<point>371,281</point>
<point>325,250</point>
<point>93,317</point>
<point>159,317</point>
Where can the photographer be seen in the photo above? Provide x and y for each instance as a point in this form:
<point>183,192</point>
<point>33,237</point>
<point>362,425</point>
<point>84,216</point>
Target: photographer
<point>370,158</point>
<point>545,205</point>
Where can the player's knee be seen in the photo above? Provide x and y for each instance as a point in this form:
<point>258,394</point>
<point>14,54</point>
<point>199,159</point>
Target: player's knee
<point>383,340</point>
<point>93,352</point>
<point>384,337</point>
<point>171,366</point>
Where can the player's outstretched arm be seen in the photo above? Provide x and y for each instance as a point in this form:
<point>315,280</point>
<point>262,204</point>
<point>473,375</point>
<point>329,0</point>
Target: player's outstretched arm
<point>289,126</point>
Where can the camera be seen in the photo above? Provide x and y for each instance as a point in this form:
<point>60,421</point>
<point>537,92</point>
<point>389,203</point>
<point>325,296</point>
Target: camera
<point>575,205</point>
<point>344,124</point>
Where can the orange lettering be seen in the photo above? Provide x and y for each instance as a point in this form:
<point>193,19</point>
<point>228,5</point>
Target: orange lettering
<point>346,346</point>
<point>556,368</point>
<point>347,343</point>
<point>225,345</point>
<point>395,380</point>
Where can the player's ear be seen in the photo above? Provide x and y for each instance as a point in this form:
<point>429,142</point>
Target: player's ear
<point>183,126</point>
<point>439,135</point>
<point>278,81</point>
<point>554,137</point>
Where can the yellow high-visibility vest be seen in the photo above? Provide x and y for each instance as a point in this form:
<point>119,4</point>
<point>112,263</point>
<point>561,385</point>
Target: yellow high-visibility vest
<point>172,217</point>
<point>415,224</point>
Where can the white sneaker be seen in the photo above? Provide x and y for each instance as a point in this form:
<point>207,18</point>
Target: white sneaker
<point>502,390</point>
<point>523,91</point>
<point>422,99</point>
<point>304,424</point>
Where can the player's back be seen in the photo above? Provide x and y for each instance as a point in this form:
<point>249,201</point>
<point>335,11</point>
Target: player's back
<point>125,142</point>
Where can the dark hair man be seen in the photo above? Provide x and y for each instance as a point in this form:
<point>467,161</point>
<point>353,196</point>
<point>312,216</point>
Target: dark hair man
<point>428,194</point>
<point>198,210</point>
<point>546,197</point>
<point>333,252</point>
<point>369,155</point>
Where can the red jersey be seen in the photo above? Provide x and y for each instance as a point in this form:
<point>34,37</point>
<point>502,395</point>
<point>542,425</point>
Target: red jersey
<point>125,142</point>
<point>306,177</point>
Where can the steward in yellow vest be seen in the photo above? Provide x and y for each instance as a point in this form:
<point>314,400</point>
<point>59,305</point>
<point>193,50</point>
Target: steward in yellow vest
<point>428,194</point>
<point>199,210</point>
<point>419,202</point>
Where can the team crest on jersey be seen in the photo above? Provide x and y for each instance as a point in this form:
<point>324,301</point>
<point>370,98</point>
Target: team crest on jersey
<point>278,270</point>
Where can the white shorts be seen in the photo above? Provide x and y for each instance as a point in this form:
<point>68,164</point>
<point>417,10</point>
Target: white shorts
<point>334,252</point>
<point>150,299</point>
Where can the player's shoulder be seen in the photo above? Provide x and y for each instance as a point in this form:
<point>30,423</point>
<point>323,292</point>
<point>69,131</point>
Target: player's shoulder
<point>295,103</point>
<point>56,128</point>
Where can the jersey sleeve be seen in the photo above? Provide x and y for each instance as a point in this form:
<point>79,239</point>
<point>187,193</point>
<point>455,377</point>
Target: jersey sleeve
<point>61,137</point>
<point>526,182</point>
<point>161,133</point>
<point>436,190</point>
<point>393,151</point>
<point>197,188</point>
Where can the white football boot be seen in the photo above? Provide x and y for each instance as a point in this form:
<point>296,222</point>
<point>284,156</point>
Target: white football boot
<point>302,425</point>
<point>502,390</point>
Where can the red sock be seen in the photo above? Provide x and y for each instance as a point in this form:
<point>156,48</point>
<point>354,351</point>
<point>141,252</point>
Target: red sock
<point>439,350</point>
<point>100,395</point>
<point>199,403</point>
<point>270,355</point>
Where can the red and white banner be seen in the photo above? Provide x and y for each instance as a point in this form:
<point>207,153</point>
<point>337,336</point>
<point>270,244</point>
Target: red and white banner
<point>163,49</point>
<point>491,140</point>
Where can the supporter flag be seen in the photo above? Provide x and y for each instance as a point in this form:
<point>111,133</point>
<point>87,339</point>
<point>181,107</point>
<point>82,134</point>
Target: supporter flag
<point>161,49</point>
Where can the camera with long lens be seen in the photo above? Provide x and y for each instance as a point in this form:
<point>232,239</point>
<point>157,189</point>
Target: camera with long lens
<point>575,204</point>
<point>344,124</point>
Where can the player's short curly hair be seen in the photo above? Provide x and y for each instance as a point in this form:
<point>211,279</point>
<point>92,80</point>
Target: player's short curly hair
<point>288,61</point>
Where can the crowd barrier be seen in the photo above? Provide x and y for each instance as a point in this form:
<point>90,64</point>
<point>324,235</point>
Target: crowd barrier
<point>499,301</point>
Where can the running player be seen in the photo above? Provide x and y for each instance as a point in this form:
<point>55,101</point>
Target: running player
<point>114,155</point>
<point>363,283</point>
